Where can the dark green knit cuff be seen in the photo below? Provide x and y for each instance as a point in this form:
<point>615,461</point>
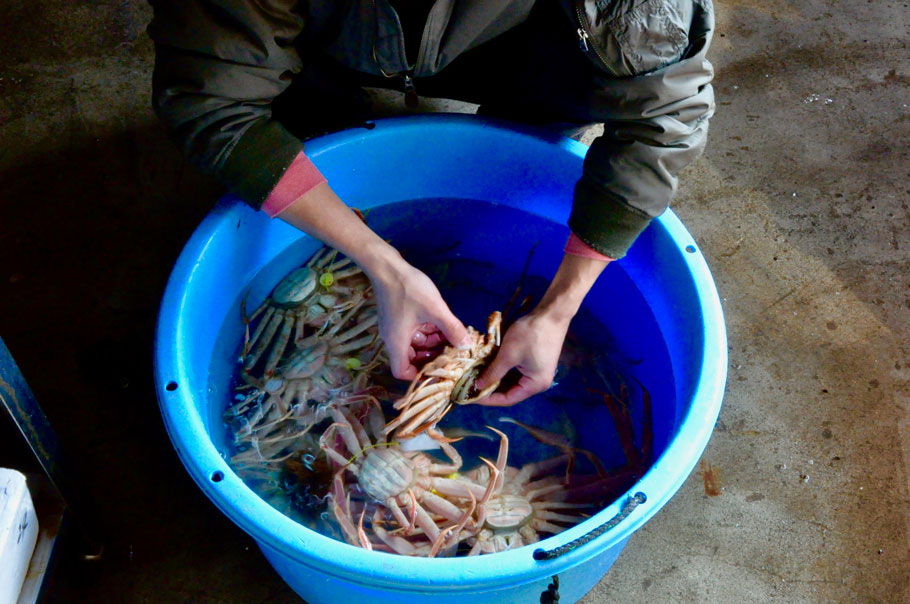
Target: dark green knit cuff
<point>258,161</point>
<point>607,225</point>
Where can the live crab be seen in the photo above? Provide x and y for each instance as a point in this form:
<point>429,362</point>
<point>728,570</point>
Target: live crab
<point>315,295</point>
<point>445,381</point>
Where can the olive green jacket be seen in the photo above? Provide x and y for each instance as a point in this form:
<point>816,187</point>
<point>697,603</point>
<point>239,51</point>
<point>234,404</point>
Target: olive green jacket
<point>220,64</point>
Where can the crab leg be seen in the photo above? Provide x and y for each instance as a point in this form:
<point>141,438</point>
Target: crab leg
<point>620,413</point>
<point>475,549</point>
<point>259,310</point>
<point>435,397</point>
<point>299,331</point>
<point>330,452</point>
<point>455,530</point>
<point>546,490</point>
<point>549,528</point>
<point>397,512</point>
<point>281,343</point>
<point>647,431</point>
<point>236,409</point>
<point>348,272</point>
<point>320,258</point>
<point>443,507</point>
<point>356,344</point>
<point>346,432</point>
<point>344,319</point>
<point>361,434</point>
<point>600,488</point>
<point>399,545</point>
<point>275,422</point>
<point>560,442</point>
<point>264,340</point>
<point>359,328</point>
<point>561,505</point>
<point>361,534</point>
<point>293,393</point>
<point>340,264</point>
<point>422,421</point>
<point>453,487</point>
<point>501,457</point>
<point>260,327</point>
<point>454,457</point>
<point>540,467</point>
<point>448,372</point>
<point>415,386</point>
<point>543,515</point>
<point>247,320</point>
<point>260,413</point>
<point>426,522</point>
<point>341,508</point>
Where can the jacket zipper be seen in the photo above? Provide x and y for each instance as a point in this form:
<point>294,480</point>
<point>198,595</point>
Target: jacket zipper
<point>411,100</point>
<point>583,37</point>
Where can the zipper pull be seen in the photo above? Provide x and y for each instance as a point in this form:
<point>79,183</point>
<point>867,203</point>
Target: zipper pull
<point>582,39</point>
<point>410,92</point>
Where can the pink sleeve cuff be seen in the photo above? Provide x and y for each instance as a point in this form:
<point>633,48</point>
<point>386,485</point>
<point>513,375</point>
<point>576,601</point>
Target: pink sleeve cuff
<point>300,177</point>
<point>577,247</point>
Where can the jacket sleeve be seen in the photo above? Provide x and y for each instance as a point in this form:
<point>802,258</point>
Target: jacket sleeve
<point>655,99</point>
<point>218,67</point>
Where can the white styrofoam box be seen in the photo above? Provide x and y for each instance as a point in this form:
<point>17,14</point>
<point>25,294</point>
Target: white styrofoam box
<point>18,532</point>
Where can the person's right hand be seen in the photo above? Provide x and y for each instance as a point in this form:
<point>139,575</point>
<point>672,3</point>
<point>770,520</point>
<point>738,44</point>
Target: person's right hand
<point>414,320</point>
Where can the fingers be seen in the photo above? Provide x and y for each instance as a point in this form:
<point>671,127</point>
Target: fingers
<point>527,387</point>
<point>453,329</point>
<point>406,372</point>
<point>497,370</point>
<point>427,337</point>
<point>427,328</point>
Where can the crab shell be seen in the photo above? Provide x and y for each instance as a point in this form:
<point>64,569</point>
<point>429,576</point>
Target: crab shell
<point>295,287</point>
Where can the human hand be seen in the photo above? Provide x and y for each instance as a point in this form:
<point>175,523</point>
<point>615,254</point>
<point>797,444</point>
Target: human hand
<point>532,346</point>
<point>414,321</point>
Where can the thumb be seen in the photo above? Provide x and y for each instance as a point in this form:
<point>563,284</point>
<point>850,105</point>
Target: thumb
<point>453,329</point>
<point>497,370</point>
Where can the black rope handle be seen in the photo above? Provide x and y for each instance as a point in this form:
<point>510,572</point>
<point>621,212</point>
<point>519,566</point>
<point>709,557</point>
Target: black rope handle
<point>631,503</point>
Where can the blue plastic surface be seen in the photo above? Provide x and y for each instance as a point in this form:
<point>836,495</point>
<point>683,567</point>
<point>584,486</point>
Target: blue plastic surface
<point>407,159</point>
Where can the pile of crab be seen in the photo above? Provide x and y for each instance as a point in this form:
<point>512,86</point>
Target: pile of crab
<point>310,346</point>
<point>310,428</point>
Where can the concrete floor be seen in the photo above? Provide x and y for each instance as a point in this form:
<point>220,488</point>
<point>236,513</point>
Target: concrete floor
<point>800,205</point>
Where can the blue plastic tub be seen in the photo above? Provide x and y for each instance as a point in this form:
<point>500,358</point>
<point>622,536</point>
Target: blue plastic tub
<point>658,305</point>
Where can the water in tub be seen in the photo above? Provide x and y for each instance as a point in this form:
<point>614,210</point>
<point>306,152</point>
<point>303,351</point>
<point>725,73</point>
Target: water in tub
<point>477,253</point>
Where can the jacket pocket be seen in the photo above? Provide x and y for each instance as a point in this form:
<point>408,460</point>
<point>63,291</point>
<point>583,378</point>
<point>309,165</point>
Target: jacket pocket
<point>652,34</point>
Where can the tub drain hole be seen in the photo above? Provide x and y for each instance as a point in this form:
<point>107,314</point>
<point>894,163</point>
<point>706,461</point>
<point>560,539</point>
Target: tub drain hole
<point>217,476</point>
<point>171,386</point>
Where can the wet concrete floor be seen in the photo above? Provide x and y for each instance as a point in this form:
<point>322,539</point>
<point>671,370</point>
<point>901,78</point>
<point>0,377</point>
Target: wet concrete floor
<point>800,205</point>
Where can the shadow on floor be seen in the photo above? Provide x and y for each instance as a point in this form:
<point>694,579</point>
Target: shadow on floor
<point>90,234</point>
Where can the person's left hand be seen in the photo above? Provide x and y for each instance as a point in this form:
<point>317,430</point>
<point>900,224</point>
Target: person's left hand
<point>532,346</point>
